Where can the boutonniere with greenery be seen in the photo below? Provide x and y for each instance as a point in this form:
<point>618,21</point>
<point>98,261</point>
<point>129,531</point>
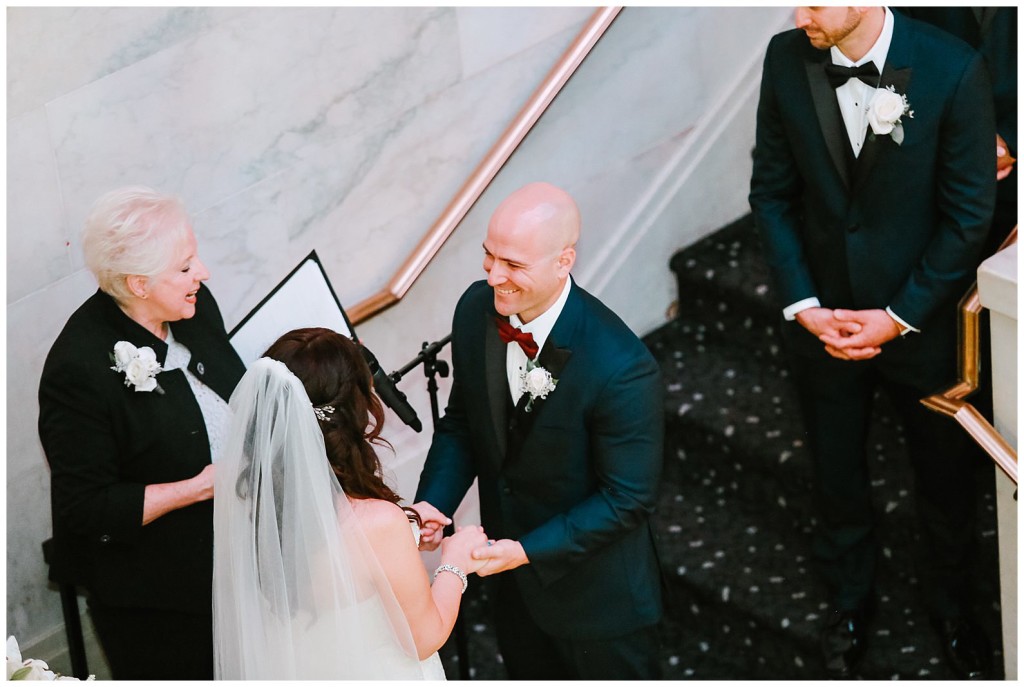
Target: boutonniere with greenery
<point>885,112</point>
<point>537,382</point>
<point>139,365</point>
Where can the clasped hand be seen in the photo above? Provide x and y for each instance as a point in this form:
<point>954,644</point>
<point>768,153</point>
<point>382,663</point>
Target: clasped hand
<point>850,334</point>
<point>469,544</point>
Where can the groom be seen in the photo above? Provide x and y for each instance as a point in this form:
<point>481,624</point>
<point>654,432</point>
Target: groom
<point>556,407</point>
<point>873,230</point>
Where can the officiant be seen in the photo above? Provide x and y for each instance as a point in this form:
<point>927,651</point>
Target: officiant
<point>132,413</point>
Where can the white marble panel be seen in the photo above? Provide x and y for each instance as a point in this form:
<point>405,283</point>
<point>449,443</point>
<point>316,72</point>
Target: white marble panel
<point>365,201</point>
<point>31,604</point>
<point>55,50</point>
<point>32,325</point>
<point>37,237</point>
<point>488,35</point>
<point>638,284</point>
<point>214,115</point>
<point>614,107</point>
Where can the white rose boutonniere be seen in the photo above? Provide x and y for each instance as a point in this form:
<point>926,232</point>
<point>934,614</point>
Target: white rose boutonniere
<point>537,382</point>
<point>139,365</point>
<point>885,112</point>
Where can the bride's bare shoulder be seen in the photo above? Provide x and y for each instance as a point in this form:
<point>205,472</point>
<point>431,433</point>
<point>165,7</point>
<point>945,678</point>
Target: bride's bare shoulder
<point>379,517</point>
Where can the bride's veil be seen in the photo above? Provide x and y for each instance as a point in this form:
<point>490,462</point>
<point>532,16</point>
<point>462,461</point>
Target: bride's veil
<point>297,591</point>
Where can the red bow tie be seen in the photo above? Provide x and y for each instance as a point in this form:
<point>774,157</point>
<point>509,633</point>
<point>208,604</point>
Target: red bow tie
<point>508,334</point>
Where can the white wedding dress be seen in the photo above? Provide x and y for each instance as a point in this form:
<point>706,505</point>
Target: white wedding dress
<point>298,593</point>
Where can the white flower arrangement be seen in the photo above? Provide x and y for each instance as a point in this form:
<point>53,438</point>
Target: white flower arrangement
<point>537,382</point>
<point>30,668</point>
<point>139,365</point>
<point>885,112</point>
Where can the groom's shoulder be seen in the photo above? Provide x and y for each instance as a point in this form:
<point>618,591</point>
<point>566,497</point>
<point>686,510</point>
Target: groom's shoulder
<point>602,325</point>
<point>478,297</point>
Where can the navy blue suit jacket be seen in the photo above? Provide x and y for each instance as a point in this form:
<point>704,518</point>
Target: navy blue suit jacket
<point>578,489</point>
<point>904,225</point>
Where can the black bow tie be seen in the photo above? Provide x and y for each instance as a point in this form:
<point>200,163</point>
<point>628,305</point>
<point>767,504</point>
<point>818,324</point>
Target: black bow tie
<point>837,75</point>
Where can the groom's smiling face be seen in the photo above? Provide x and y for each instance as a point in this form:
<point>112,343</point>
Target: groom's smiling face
<point>530,248</point>
<point>525,274</point>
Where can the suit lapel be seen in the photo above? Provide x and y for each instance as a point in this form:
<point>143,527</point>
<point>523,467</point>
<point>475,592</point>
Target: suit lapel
<point>895,74</point>
<point>553,357</point>
<point>496,374</point>
<point>826,106</point>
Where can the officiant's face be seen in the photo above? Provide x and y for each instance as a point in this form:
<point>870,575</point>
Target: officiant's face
<point>525,266</point>
<point>172,293</point>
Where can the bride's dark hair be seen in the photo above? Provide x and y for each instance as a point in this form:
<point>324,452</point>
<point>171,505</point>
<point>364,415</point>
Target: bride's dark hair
<point>332,369</point>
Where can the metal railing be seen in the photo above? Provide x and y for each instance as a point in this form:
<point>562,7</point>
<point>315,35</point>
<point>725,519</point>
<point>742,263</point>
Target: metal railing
<point>485,172</point>
<point>951,402</point>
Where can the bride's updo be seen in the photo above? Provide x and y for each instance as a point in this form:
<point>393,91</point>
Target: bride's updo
<point>332,369</point>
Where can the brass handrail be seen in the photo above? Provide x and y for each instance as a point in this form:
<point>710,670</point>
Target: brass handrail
<point>951,403</point>
<point>485,172</point>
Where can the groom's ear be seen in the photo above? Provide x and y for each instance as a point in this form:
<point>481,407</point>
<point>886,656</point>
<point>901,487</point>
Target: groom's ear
<point>566,261</point>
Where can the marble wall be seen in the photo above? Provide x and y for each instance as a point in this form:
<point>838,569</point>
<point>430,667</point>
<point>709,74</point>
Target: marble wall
<point>348,130</point>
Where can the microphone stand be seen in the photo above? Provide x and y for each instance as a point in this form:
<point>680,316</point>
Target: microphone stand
<point>432,368</point>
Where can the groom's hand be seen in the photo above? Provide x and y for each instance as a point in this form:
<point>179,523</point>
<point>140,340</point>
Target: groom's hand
<point>433,524</point>
<point>499,556</point>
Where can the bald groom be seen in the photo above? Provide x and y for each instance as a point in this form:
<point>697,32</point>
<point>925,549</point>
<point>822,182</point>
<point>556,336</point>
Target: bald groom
<point>556,406</point>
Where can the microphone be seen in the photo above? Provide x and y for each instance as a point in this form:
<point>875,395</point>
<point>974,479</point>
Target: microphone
<point>385,387</point>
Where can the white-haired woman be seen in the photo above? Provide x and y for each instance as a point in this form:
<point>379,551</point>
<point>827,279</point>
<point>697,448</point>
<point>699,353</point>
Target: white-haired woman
<point>132,410</point>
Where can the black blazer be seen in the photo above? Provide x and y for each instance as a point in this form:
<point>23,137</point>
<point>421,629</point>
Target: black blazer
<point>576,479</point>
<point>904,225</point>
<point>105,442</point>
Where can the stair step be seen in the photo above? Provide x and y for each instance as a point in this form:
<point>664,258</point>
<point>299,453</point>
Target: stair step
<point>744,569</point>
<point>728,266</point>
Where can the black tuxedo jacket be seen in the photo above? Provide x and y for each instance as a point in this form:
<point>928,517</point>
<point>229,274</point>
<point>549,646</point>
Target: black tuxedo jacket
<point>902,226</point>
<point>575,479</point>
<point>105,442</point>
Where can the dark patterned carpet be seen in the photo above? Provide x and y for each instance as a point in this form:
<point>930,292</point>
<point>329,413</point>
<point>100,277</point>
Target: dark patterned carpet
<point>735,516</point>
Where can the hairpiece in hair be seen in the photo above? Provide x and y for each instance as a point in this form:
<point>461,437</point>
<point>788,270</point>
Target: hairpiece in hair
<point>322,412</point>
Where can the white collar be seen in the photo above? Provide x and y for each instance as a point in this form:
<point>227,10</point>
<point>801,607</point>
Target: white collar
<point>878,52</point>
<point>542,325</point>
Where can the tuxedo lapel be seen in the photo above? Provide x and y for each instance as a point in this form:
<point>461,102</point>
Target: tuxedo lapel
<point>874,145</point>
<point>826,106</point>
<point>895,73</point>
<point>496,374</point>
<point>553,357</point>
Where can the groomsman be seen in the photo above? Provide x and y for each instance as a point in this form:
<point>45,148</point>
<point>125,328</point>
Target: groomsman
<point>556,408</point>
<point>873,190</point>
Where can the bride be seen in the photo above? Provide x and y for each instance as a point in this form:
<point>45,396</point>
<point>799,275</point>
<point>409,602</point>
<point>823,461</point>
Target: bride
<point>316,569</point>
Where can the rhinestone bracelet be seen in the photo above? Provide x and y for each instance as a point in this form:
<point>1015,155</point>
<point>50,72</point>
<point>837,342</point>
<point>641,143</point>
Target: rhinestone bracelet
<point>448,567</point>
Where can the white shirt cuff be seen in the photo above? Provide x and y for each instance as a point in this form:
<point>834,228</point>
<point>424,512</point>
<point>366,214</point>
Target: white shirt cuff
<point>790,312</point>
<point>904,327</point>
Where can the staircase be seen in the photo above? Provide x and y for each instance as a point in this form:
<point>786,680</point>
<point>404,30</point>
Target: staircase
<point>736,513</point>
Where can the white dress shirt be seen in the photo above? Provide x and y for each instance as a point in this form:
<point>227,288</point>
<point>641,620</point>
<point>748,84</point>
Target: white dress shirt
<point>540,327</point>
<point>854,98</point>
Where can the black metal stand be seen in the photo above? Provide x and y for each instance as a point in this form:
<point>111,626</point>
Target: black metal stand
<point>69,605</point>
<point>432,368</point>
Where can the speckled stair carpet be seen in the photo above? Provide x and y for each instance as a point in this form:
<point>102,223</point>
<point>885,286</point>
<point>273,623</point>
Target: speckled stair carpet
<point>736,514</point>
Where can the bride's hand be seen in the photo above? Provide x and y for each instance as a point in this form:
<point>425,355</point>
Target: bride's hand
<point>458,548</point>
<point>434,522</point>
